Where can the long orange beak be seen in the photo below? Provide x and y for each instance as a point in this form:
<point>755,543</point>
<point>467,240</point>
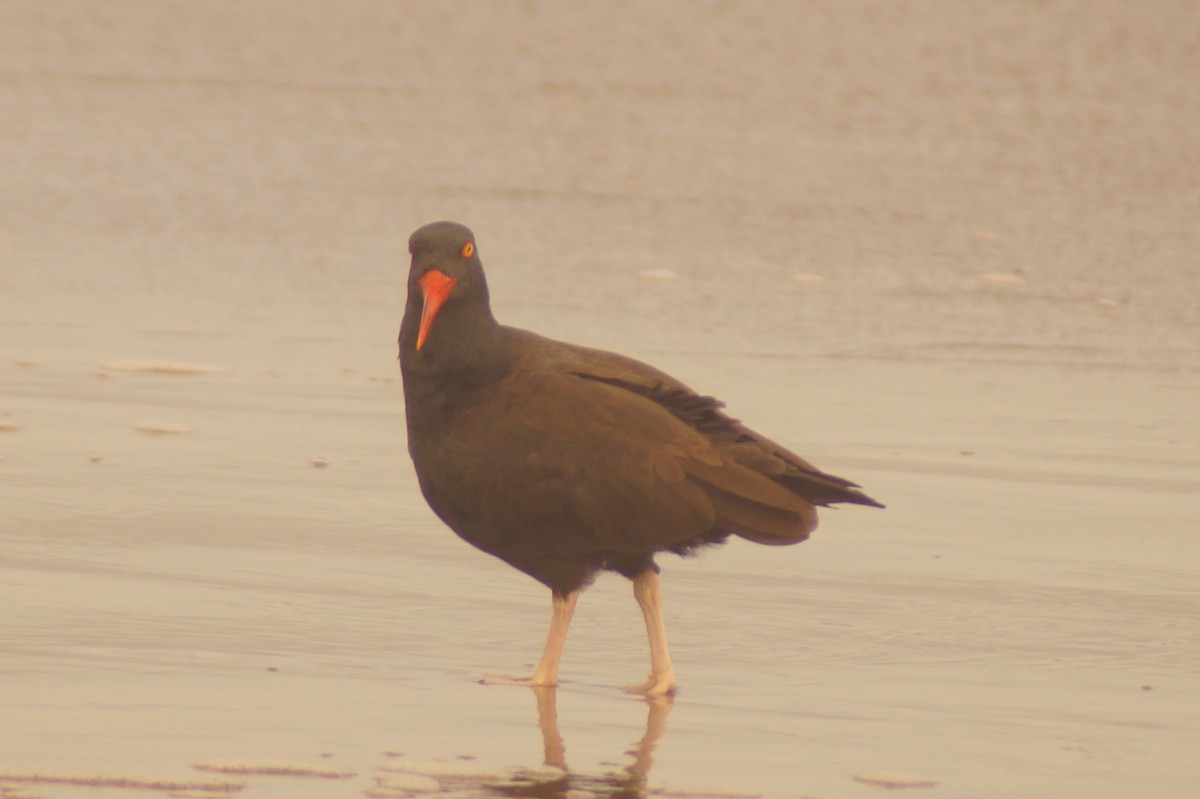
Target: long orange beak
<point>435,288</point>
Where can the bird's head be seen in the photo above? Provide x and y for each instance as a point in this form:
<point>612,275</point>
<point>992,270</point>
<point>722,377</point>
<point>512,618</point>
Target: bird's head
<point>445,272</point>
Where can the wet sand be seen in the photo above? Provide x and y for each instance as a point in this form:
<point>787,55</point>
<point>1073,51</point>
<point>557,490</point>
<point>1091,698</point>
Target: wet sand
<point>949,253</point>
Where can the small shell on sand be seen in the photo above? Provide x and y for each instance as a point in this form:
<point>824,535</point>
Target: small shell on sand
<point>163,428</point>
<point>1001,280</point>
<point>158,367</point>
<point>895,780</point>
<point>658,275</point>
<point>319,463</point>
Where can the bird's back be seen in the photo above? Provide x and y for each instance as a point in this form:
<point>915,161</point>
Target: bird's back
<point>703,414</point>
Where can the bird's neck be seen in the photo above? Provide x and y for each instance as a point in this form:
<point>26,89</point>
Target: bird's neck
<point>466,350</point>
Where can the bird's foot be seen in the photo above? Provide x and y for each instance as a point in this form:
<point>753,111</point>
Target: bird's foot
<point>531,682</point>
<point>662,684</point>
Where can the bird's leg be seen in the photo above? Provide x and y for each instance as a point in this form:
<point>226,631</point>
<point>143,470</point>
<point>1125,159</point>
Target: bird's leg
<point>647,592</point>
<point>563,608</point>
<point>546,673</point>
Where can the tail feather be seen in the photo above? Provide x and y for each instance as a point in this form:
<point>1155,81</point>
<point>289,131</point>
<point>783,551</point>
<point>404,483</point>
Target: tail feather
<point>762,524</point>
<point>824,489</point>
<point>752,505</point>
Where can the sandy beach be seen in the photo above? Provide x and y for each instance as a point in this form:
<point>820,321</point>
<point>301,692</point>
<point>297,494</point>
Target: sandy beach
<point>947,250</point>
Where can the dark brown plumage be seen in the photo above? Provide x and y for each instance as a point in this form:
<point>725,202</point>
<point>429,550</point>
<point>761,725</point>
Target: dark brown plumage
<point>564,461</point>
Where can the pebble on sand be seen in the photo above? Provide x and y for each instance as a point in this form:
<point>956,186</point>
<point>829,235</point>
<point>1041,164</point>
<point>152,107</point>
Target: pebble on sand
<point>895,780</point>
<point>163,428</point>
<point>1001,280</point>
<point>158,367</point>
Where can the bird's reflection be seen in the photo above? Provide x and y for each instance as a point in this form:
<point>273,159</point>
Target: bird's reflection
<point>629,781</point>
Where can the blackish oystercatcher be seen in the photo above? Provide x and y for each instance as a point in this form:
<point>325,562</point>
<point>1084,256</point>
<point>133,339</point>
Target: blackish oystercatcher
<point>565,461</point>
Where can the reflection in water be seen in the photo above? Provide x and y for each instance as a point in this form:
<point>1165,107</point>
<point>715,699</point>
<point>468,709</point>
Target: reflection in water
<point>554,780</point>
<point>454,779</point>
<point>630,781</point>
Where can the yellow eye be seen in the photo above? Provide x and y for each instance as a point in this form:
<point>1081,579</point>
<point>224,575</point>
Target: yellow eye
<point>468,249</point>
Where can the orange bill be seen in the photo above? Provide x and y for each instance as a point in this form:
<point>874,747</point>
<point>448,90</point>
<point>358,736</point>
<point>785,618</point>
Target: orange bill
<point>435,288</point>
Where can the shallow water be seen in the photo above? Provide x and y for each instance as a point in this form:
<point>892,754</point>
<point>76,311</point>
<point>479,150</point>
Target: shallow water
<point>948,254</point>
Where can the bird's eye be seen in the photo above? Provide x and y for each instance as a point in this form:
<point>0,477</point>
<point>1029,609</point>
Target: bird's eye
<point>468,249</point>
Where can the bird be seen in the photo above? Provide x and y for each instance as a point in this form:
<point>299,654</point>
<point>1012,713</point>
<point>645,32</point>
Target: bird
<point>565,461</point>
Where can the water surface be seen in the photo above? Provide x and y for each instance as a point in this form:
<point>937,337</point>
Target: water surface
<point>947,251</point>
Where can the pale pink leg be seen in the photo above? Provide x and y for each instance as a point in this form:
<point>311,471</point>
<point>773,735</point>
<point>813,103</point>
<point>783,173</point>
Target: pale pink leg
<point>648,593</point>
<point>546,673</point>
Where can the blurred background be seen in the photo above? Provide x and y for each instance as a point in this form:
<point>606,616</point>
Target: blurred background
<point>245,168</point>
<point>947,249</point>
